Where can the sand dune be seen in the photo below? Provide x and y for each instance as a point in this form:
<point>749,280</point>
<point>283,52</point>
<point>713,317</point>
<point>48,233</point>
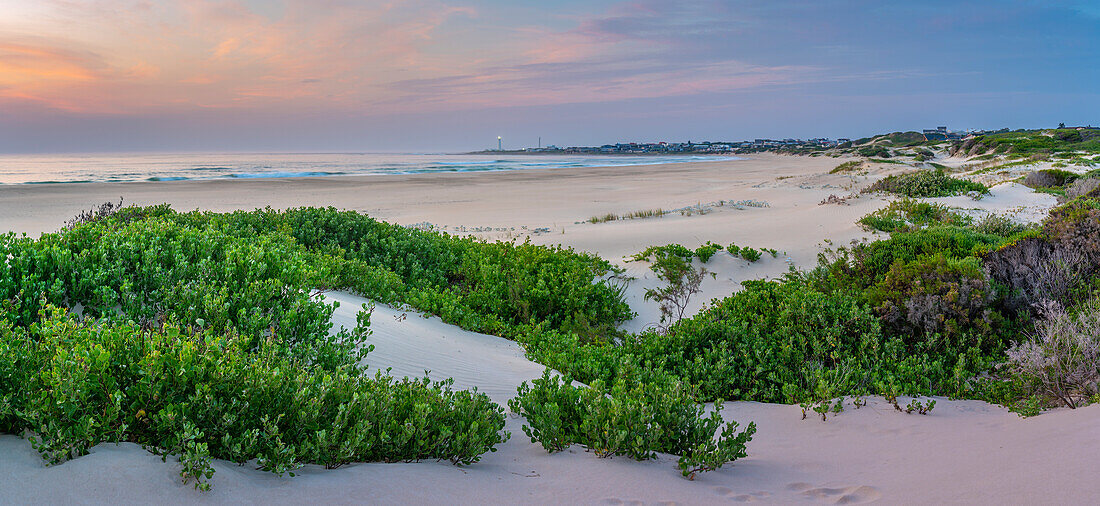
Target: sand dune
<point>963,452</point>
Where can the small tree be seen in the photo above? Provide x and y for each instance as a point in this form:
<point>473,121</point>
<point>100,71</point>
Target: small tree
<point>683,281</point>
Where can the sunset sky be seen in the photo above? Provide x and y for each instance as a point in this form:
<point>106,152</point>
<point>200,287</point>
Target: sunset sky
<point>429,75</point>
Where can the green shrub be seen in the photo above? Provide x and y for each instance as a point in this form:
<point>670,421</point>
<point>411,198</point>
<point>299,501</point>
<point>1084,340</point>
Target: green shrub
<point>706,251</point>
<point>866,264</point>
<point>937,304</point>
<point>1026,142</point>
<point>1049,178</point>
<point>636,420</point>
<point>228,324</point>
<point>907,214</point>
<point>770,342</point>
<point>668,250</point>
<point>750,254</point>
<point>874,152</point>
<point>925,183</point>
<point>199,394</point>
<point>848,166</point>
<point>239,269</point>
<point>1001,225</point>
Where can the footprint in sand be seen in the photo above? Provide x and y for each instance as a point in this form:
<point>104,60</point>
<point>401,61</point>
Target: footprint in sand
<point>615,501</point>
<point>858,494</point>
<point>733,496</point>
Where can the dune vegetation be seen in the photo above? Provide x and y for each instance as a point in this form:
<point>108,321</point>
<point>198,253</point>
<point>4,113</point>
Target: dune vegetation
<point>926,183</point>
<point>929,311</point>
<point>202,335</point>
<point>1028,142</point>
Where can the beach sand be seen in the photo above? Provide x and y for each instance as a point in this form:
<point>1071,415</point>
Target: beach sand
<point>963,452</point>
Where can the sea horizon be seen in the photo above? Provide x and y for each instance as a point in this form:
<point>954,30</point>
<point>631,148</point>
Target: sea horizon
<point>168,166</point>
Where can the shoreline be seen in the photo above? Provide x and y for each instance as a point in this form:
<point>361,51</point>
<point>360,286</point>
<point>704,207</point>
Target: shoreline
<point>144,168</point>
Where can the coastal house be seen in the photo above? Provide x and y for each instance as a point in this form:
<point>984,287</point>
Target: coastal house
<point>938,134</point>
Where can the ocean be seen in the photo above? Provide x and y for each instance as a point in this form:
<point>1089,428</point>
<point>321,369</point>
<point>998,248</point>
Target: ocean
<point>89,168</point>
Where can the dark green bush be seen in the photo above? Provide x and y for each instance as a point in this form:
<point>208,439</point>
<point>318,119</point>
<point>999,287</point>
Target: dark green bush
<point>257,374</point>
<point>200,394</point>
<point>153,263</point>
<point>866,264</point>
<point>706,251</point>
<point>937,304</point>
<point>771,342</point>
<point>925,183</point>
<point>633,419</point>
<point>874,152</point>
<point>750,254</point>
<point>153,271</point>
<point>908,214</point>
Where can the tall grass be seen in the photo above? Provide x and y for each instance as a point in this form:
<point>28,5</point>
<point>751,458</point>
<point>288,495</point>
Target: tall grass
<point>633,215</point>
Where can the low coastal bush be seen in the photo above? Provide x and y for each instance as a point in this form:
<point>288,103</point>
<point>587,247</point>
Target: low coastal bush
<point>874,152</point>
<point>631,419</point>
<point>1082,186</point>
<point>849,166</point>
<point>771,342</point>
<point>925,183</point>
<point>937,304</point>
<point>750,254</point>
<point>1059,262</point>
<point>1049,178</point>
<point>1061,359</point>
<point>706,251</point>
<point>774,341</point>
<point>199,394</point>
<point>1027,142</point>
<point>202,334</point>
<point>248,269</point>
<point>999,224</point>
<point>908,214</point>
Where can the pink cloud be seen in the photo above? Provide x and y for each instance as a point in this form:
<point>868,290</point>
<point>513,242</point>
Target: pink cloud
<point>351,57</point>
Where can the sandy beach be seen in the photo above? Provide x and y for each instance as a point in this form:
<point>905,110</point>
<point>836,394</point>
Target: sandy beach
<point>964,452</point>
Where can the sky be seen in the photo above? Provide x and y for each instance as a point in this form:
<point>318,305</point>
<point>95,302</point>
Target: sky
<point>436,76</point>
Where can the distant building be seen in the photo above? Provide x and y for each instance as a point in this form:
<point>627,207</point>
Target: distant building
<point>937,134</point>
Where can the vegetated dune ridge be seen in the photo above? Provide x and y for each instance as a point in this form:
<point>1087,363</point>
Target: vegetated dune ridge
<point>964,452</point>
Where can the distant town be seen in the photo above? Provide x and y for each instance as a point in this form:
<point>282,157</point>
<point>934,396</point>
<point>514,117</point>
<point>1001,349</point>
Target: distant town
<point>724,147</point>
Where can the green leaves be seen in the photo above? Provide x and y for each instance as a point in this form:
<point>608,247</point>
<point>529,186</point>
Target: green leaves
<point>631,419</point>
<point>201,395</point>
<point>926,183</point>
